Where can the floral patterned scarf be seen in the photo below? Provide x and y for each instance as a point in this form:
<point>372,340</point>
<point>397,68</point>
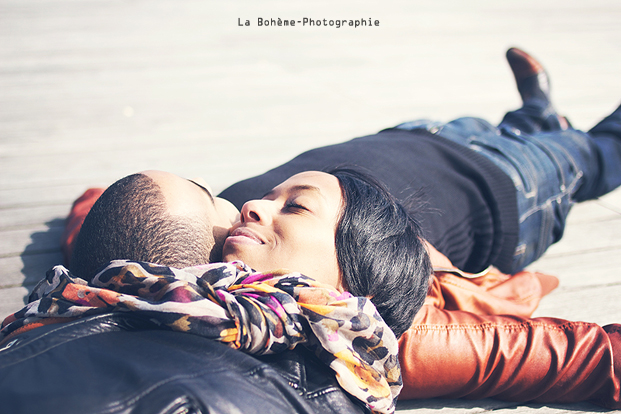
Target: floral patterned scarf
<point>258,313</point>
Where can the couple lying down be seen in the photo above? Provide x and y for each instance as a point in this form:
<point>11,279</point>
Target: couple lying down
<point>475,202</point>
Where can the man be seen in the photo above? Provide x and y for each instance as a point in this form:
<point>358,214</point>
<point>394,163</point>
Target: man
<point>485,191</point>
<point>465,174</point>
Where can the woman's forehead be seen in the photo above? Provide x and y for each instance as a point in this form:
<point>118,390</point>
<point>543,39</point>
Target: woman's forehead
<point>320,184</point>
<point>313,181</point>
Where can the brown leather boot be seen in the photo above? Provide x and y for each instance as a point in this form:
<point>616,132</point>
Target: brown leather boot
<point>532,80</point>
<point>530,76</point>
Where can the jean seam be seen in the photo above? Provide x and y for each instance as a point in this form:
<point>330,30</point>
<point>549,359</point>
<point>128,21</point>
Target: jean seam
<point>550,200</point>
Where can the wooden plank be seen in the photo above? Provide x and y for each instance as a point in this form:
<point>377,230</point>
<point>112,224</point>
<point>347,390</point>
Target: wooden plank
<point>439,405</point>
<point>53,215</point>
<point>591,211</point>
<point>585,236</point>
<point>552,409</point>
<point>23,196</point>
<point>583,268</point>
<point>12,300</point>
<point>33,240</point>
<point>597,303</point>
<point>27,269</point>
<point>612,201</point>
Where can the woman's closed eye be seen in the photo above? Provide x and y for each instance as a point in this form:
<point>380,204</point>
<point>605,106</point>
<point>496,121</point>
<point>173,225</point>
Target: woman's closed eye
<point>295,206</point>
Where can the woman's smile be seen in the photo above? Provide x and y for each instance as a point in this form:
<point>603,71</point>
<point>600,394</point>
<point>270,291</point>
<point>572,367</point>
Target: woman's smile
<point>243,235</point>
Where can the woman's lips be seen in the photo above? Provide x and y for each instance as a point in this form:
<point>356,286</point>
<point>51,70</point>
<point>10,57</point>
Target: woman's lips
<point>245,236</point>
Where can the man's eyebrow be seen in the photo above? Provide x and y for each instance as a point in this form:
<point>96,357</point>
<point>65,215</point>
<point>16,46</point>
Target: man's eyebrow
<point>205,190</point>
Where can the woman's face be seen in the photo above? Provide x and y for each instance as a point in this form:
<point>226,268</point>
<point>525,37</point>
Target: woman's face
<point>291,227</point>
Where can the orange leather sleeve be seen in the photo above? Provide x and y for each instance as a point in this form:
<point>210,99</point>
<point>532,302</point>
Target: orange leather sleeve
<point>458,354</point>
<point>491,293</point>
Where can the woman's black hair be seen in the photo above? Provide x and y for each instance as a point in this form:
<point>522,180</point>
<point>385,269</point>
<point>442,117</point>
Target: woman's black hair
<point>380,249</point>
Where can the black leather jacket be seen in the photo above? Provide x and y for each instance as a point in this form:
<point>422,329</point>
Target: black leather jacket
<point>121,363</point>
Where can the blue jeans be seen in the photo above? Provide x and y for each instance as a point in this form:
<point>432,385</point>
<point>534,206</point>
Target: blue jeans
<point>551,168</point>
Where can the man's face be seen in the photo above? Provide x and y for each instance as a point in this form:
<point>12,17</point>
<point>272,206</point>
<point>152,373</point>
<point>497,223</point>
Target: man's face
<point>292,227</point>
<point>193,199</point>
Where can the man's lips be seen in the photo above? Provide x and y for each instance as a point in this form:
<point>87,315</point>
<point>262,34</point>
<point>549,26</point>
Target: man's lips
<point>244,235</point>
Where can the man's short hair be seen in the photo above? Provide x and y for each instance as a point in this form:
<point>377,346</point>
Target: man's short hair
<point>131,221</point>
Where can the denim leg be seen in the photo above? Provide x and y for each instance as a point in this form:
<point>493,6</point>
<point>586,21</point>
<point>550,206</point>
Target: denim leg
<point>535,116</point>
<point>606,137</point>
<point>547,168</point>
<point>604,153</point>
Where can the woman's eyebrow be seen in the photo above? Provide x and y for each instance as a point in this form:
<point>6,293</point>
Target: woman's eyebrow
<point>300,187</point>
<point>205,190</point>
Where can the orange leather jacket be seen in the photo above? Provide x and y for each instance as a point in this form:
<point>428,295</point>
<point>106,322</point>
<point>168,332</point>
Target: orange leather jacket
<point>473,338</point>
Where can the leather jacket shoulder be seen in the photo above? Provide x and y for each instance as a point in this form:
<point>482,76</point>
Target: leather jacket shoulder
<point>122,363</point>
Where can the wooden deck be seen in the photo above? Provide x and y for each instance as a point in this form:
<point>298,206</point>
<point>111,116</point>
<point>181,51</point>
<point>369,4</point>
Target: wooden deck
<point>91,91</point>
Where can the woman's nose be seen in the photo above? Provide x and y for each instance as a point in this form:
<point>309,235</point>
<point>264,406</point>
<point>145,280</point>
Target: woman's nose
<point>256,211</point>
